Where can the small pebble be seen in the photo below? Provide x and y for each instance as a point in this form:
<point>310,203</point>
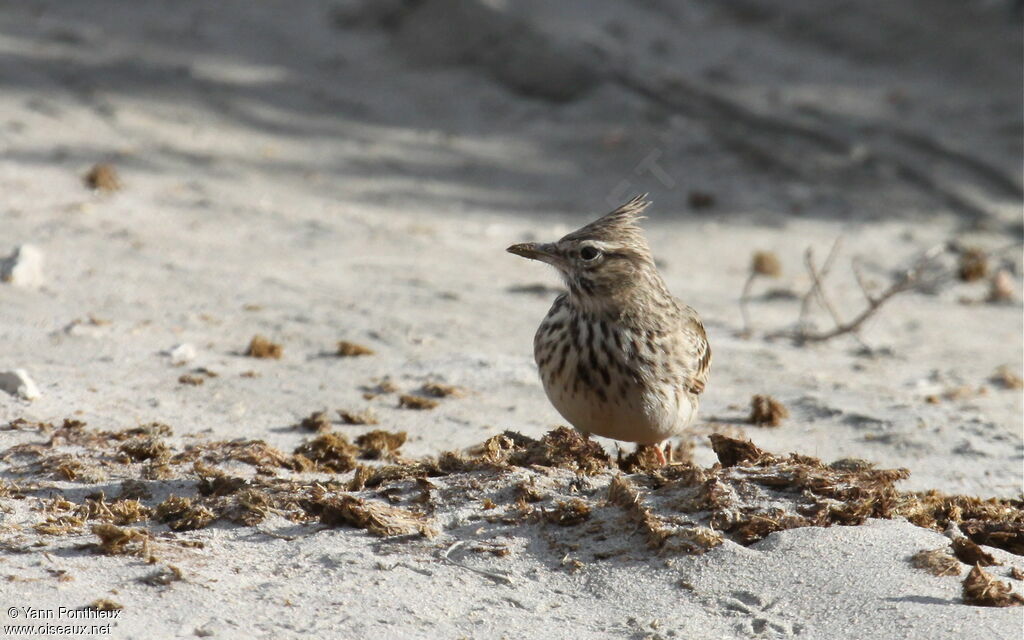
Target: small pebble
<point>23,268</point>
<point>17,383</point>
<point>182,354</point>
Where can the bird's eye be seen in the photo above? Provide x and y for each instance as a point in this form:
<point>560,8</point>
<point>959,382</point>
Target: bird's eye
<point>589,253</point>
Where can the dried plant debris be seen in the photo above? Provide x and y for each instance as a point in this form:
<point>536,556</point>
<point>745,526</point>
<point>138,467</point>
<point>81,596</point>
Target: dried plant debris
<point>559,479</point>
<point>330,452</point>
<point>1017,573</point>
<point>366,416</point>
<point>377,518</point>
<point>65,466</point>
<point>766,411</point>
<point>766,263</point>
<point>348,349</point>
<point>564,448</point>
<point>991,522</point>
<point>316,421</point>
<point>644,458</point>
<point>182,514</point>
<point>256,453</point>
<point>968,552</point>
<point>60,525</point>
<point>938,562</point>
<point>441,390</point>
<point>624,494</point>
<point>102,177</point>
<point>408,401</point>
<point>140,449</point>
<point>569,512</point>
<point>1007,379</point>
<point>973,264</point>
<point>731,451</point>
<point>260,347</point>
<point>114,540</point>
<point>379,444</point>
<point>981,589</point>
<point>105,604</point>
<point>191,380</point>
<point>250,507</point>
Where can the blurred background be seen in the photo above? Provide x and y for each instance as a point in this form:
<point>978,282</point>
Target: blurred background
<point>753,108</point>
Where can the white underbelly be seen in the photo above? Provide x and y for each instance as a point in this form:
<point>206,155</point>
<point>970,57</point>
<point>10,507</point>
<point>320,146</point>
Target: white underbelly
<point>645,418</point>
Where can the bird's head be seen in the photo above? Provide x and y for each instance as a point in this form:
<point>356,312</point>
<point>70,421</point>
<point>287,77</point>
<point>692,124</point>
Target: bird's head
<point>603,263</point>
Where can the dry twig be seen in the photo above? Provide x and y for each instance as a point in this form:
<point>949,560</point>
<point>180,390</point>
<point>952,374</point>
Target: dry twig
<point>905,281</point>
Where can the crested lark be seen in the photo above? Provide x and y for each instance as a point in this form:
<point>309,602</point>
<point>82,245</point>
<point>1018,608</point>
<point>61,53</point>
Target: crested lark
<point>618,355</point>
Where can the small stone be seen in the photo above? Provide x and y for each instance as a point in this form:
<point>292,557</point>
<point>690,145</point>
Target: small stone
<point>24,267</point>
<point>1001,287</point>
<point>17,383</point>
<point>182,354</point>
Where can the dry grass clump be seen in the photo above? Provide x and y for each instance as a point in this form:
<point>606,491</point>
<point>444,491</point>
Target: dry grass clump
<point>141,449</point>
<point>564,448</point>
<point>766,411</point>
<point>830,495</point>
<point>72,468</point>
<point>766,263</point>
<point>366,416</point>
<point>938,562</point>
<point>102,177</point>
<point>105,604</point>
<point>643,459</point>
<point>249,507</point>
<point>115,540</point>
<point>260,347</point>
<point>992,522</point>
<point>330,452</point>
<point>409,401</point>
<point>981,589</point>
<point>60,525</point>
<point>256,453</point>
<point>568,513</point>
<point>622,493</point>
<point>182,514</point>
<point>441,390</point>
<point>377,518</point>
<point>973,264</point>
<point>348,349</point>
<point>316,421</point>
<point>119,512</point>
<point>968,552</point>
<point>379,444</point>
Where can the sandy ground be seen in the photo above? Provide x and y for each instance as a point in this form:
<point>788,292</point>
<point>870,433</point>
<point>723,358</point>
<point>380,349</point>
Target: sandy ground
<point>333,171</point>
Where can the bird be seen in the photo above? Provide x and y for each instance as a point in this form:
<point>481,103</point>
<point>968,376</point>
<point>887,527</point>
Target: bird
<point>618,355</point>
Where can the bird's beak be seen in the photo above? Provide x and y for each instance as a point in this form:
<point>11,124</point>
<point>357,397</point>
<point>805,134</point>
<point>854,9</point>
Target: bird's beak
<point>545,252</point>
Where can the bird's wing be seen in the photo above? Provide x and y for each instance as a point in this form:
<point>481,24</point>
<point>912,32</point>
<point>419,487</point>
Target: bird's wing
<point>694,351</point>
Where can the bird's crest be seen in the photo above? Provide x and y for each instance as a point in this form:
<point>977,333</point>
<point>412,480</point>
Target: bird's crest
<point>620,224</point>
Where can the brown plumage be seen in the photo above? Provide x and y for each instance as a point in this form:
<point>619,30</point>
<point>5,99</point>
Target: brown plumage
<point>618,355</point>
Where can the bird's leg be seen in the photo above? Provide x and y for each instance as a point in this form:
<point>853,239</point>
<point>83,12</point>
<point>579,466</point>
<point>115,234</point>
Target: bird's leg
<point>668,451</point>
<point>661,455</point>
